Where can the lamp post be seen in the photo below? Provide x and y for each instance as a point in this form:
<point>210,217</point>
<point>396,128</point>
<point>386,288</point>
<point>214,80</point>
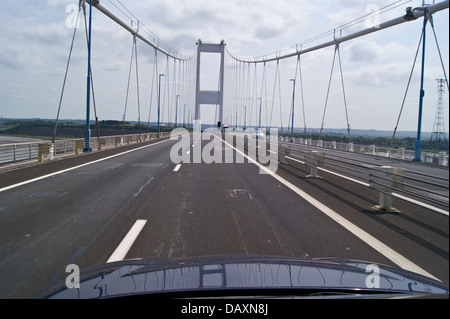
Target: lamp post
<point>176,111</point>
<point>245,117</point>
<point>159,101</point>
<point>87,135</point>
<point>293,97</point>
<point>260,104</point>
<point>418,146</point>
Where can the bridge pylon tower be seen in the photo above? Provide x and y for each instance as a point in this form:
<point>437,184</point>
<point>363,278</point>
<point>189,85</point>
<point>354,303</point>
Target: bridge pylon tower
<point>210,97</point>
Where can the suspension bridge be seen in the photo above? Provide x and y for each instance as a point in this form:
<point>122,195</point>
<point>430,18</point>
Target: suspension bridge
<point>76,201</point>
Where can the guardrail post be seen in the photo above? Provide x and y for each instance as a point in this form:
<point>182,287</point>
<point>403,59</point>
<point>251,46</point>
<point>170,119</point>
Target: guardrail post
<point>385,179</point>
<point>78,145</point>
<point>283,152</point>
<point>43,149</point>
<point>401,152</point>
<point>314,159</point>
<point>101,142</point>
<point>51,151</point>
<point>442,156</point>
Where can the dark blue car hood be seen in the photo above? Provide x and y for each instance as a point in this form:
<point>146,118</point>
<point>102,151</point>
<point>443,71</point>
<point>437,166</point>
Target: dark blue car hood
<point>237,276</point>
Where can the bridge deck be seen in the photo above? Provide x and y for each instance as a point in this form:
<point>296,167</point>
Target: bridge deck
<point>78,210</point>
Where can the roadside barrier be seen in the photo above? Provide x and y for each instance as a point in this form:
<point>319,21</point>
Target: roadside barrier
<point>45,151</point>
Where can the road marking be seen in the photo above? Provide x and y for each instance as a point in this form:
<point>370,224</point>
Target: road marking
<point>382,248</point>
<point>127,242</point>
<point>177,168</point>
<point>75,167</point>
<point>334,173</point>
<point>430,207</point>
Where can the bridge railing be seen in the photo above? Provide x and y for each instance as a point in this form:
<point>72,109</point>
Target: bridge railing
<point>42,150</point>
<point>390,181</point>
<point>441,158</point>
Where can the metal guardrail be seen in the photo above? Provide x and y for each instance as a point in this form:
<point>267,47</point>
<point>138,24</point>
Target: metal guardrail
<point>389,181</point>
<point>43,151</point>
<point>441,158</point>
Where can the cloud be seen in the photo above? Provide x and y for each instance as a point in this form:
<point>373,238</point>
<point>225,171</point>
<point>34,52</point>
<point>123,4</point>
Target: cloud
<point>270,30</point>
<point>242,22</point>
<point>36,43</point>
<point>364,50</point>
<point>384,75</point>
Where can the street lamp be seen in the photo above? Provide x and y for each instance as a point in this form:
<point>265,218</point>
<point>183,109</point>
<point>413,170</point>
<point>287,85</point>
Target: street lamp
<point>87,134</point>
<point>260,104</point>
<point>245,117</point>
<point>293,97</point>
<point>176,111</point>
<point>159,101</point>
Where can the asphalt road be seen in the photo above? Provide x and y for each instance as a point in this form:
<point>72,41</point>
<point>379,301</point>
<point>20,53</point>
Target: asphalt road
<point>79,210</point>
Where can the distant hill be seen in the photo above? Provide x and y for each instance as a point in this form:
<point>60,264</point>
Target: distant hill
<point>368,133</point>
<point>68,128</point>
<point>117,124</point>
<point>76,129</point>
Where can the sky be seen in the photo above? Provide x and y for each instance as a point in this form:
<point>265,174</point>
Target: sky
<point>36,38</point>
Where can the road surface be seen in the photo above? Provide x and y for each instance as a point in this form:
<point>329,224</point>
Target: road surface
<point>79,210</point>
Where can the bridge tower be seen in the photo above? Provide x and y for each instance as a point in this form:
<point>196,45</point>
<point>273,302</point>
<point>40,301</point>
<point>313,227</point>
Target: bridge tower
<point>210,97</point>
<point>439,128</point>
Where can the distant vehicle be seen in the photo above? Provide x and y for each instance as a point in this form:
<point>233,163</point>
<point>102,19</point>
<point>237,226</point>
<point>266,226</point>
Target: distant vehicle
<point>224,127</point>
<point>239,276</point>
<point>260,135</point>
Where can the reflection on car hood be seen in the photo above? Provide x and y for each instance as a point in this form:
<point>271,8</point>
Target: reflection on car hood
<point>245,276</point>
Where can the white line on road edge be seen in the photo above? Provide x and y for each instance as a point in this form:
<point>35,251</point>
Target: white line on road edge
<point>75,167</point>
<point>127,242</point>
<point>177,168</point>
<point>361,234</point>
<point>331,172</point>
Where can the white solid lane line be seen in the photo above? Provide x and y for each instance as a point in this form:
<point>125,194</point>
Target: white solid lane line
<point>127,242</point>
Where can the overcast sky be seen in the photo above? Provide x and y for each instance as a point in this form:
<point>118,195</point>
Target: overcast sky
<point>36,37</point>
